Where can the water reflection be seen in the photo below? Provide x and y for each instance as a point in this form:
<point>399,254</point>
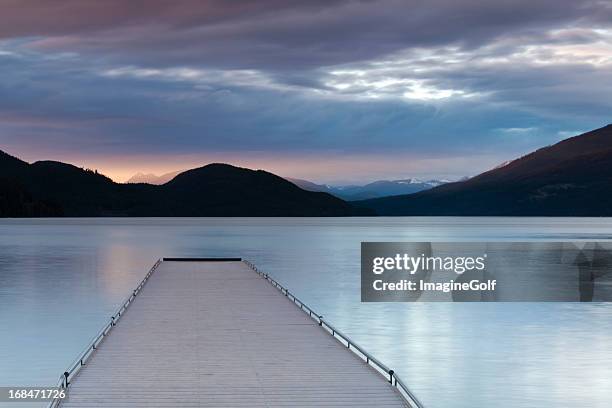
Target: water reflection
<point>60,279</point>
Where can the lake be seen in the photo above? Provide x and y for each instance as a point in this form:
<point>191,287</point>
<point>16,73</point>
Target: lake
<point>61,279</point>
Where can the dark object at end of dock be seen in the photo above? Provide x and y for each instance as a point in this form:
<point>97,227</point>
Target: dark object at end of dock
<point>203,259</point>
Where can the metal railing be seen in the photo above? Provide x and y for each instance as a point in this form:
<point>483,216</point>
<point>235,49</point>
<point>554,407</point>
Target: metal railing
<point>391,376</point>
<point>76,366</point>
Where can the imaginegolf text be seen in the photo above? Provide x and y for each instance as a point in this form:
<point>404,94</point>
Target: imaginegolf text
<point>445,287</point>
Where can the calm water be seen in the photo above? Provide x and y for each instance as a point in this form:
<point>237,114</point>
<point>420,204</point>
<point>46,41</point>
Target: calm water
<point>61,279</point>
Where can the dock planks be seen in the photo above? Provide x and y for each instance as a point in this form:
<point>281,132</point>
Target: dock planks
<point>216,334</point>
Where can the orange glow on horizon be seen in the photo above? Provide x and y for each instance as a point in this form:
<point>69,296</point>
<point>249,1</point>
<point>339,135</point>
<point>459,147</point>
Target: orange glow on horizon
<point>324,167</point>
<point>330,168</point>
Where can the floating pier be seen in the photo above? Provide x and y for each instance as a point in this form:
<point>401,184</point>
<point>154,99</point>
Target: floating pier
<point>220,333</point>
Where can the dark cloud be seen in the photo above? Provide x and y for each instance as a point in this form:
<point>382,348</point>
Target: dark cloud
<point>431,78</point>
<point>76,109</point>
<point>278,34</point>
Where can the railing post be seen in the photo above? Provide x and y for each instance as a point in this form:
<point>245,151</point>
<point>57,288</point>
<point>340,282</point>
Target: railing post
<point>370,361</point>
<point>66,374</point>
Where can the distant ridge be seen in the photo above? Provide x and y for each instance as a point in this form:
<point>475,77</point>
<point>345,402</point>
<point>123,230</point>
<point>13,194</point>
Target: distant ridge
<point>570,178</point>
<point>380,188</point>
<point>49,188</point>
<point>151,178</point>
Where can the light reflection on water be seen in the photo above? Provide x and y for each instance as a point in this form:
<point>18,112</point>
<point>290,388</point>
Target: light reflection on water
<point>61,279</point>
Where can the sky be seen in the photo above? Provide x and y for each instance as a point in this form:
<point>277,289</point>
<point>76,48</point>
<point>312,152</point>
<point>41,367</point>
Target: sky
<point>331,91</point>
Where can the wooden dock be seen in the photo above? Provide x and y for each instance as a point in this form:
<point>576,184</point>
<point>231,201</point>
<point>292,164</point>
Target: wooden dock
<point>217,334</point>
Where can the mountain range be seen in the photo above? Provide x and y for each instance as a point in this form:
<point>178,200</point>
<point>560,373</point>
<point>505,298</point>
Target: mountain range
<point>381,188</point>
<point>570,178</point>
<point>50,188</point>
<point>150,178</point>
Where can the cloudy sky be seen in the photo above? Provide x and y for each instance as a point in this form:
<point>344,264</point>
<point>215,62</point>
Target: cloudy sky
<point>331,91</point>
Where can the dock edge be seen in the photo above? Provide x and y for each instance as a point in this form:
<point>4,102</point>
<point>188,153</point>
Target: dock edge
<point>70,373</point>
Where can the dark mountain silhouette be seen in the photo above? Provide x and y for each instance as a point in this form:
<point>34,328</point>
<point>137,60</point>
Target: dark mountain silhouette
<point>227,190</point>
<point>15,199</point>
<point>570,178</point>
<point>49,188</point>
<point>11,166</point>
